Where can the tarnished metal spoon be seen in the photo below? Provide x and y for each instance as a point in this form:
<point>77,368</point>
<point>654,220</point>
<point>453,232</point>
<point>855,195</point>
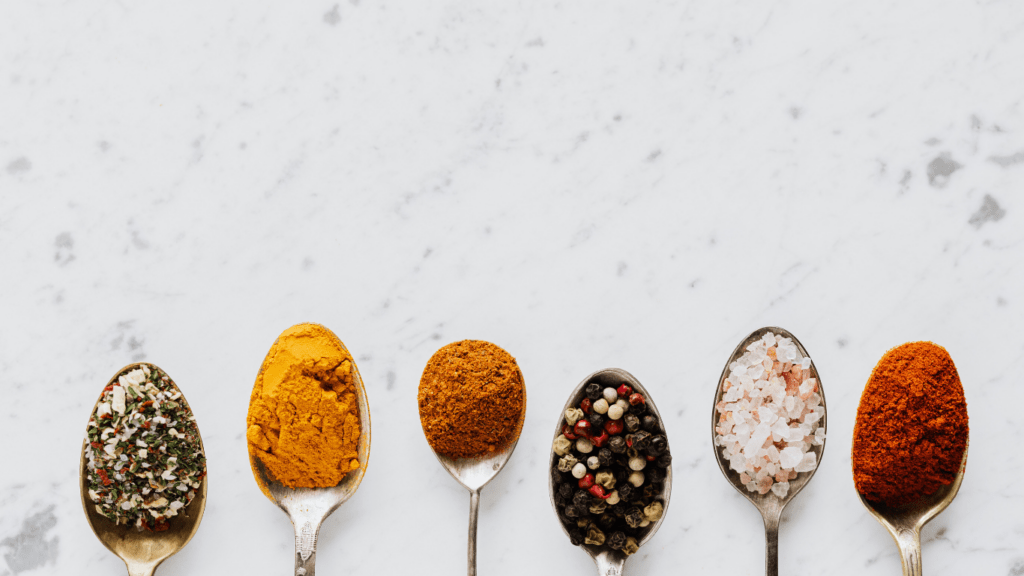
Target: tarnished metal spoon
<point>308,507</point>
<point>904,523</point>
<point>142,551</point>
<point>475,473</point>
<point>769,505</point>
<point>609,562</point>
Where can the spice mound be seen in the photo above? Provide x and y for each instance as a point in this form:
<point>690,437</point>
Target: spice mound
<point>911,430</point>
<point>303,421</point>
<point>609,468</point>
<point>472,399</point>
<point>144,458</point>
<point>769,416</point>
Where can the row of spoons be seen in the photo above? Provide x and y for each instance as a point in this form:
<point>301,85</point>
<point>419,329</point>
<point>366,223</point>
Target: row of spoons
<point>307,508</point>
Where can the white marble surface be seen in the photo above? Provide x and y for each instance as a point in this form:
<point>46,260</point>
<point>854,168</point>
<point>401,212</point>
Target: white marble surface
<point>587,184</point>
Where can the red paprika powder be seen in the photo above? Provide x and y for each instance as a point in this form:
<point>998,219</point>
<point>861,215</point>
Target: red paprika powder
<point>911,429</point>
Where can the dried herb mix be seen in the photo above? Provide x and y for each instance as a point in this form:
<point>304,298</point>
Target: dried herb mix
<point>144,458</point>
<point>609,468</point>
<point>471,399</point>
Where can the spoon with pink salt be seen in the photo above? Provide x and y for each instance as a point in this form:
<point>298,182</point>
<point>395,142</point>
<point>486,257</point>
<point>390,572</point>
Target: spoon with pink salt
<point>773,488</point>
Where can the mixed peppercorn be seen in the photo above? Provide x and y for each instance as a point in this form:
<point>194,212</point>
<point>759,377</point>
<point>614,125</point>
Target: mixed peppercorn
<point>609,468</point>
<point>144,461</point>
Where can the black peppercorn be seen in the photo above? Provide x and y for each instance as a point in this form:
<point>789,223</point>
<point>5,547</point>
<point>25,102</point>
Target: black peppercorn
<point>664,461</point>
<point>641,440</point>
<point>654,474</point>
<point>581,498</point>
<point>572,511</point>
<point>604,456</point>
<point>556,476</point>
<point>565,491</point>
<point>593,391</point>
<point>626,492</point>
<point>606,521</point>
<point>650,423</point>
<point>657,445</point>
<point>632,422</point>
<point>596,420</point>
<point>649,491</point>
<point>634,516</point>
<point>617,444</point>
<point>631,452</point>
<point>616,541</point>
<point>620,474</point>
<point>577,536</point>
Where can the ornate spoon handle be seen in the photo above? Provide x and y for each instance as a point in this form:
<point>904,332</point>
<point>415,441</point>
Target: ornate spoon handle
<point>474,512</point>
<point>306,532</point>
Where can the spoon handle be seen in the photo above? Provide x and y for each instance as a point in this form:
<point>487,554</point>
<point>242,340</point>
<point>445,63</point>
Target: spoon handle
<point>771,543</point>
<point>306,532</point>
<point>141,568</point>
<point>909,541</point>
<point>474,511</point>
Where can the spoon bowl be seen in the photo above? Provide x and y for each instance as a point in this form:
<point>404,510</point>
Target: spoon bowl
<point>904,523</point>
<point>307,508</point>
<point>769,505</point>
<point>475,473</point>
<point>142,551</point>
<point>609,562</point>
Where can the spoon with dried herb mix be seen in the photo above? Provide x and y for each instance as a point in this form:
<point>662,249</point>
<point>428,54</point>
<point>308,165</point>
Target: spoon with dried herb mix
<point>308,431</point>
<point>472,403</point>
<point>143,468</point>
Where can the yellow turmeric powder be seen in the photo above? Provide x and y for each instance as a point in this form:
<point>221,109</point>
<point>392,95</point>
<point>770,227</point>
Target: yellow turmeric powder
<point>303,421</point>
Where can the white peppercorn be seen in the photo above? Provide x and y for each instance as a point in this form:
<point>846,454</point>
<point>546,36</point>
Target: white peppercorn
<point>636,478</point>
<point>610,395</point>
<point>600,406</point>
<point>584,446</point>
<point>579,470</point>
<point>615,412</point>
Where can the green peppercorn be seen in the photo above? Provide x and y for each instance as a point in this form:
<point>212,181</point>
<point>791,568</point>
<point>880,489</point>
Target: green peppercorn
<point>616,541</point>
<point>632,422</point>
<point>634,516</point>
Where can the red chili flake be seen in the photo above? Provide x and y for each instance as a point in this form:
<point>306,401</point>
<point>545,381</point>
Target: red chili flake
<point>651,458</point>
<point>160,525</point>
<point>567,432</point>
<point>599,440</point>
<point>123,470</point>
<point>107,417</point>
<point>108,388</point>
<point>629,440</point>
<point>636,398</point>
<point>145,425</point>
<point>598,491</point>
<point>103,476</point>
<point>95,444</point>
<point>582,428</point>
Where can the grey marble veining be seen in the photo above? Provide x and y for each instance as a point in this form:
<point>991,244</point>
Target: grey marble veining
<point>586,184</point>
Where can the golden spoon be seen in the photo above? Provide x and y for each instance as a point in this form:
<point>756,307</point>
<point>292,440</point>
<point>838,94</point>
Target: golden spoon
<point>142,551</point>
<point>769,505</point>
<point>609,562</point>
<point>307,508</point>
<point>904,523</point>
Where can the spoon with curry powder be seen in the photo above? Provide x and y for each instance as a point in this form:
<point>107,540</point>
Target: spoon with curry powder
<point>472,403</point>
<point>768,440</point>
<point>141,518</point>
<point>310,456</point>
<point>910,443</point>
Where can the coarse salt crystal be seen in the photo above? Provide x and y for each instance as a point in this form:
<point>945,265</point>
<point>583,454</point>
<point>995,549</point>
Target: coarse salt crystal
<point>808,463</point>
<point>780,489</point>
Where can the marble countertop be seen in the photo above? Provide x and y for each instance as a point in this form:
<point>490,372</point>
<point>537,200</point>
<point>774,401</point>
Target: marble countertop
<point>586,184</point>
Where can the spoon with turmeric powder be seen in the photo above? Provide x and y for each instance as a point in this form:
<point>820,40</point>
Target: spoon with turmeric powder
<point>308,431</point>
<point>472,403</point>
<point>768,425</point>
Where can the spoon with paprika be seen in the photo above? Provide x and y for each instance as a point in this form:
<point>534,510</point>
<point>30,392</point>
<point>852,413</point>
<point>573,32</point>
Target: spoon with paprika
<point>143,550</point>
<point>769,504</point>
<point>910,443</point>
<point>610,562</point>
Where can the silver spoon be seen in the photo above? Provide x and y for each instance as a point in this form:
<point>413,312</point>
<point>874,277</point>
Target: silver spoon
<point>904,523</point>
<point>142,551</point>
<point>769,505</point>
<point>307,508</point>
<point>474,474</point>
<point>609,562</point>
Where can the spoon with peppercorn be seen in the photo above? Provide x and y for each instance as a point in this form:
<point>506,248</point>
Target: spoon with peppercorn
<point>611,468</point>
<point>141,423</point>
<point>768,425</point>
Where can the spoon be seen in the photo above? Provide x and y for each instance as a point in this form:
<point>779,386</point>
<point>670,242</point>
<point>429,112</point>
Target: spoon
<point>609,562</point>
<point>904,523</point>
<point>769,505</point>
<point>142,551</point>
<point>307,508</point>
